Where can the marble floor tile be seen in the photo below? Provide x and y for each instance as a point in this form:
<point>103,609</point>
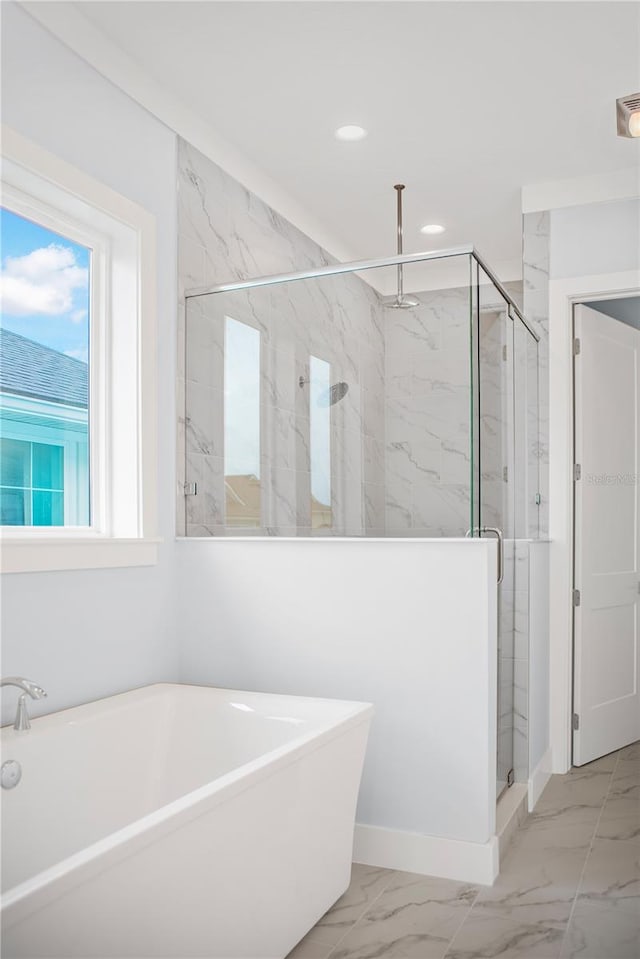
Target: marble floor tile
<point>536,883</point>
<point>415,918</point>
<point>587,786</point>
<point>631,752</point>
<point>490,938</point>
<point>569,885</point>
<point>626,780</point>
<point>620,819</point>
<point>561,827</point>
<point>311,948</point>
<point>597,932</point>
<point>367,882</point>
<point>612,876</point>
<point>604,764</point>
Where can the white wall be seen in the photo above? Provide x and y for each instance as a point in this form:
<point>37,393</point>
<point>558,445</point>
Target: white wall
<point>594,249</point>
<point>595,238</point>
<point>409,625</point>
<point>87,634</point>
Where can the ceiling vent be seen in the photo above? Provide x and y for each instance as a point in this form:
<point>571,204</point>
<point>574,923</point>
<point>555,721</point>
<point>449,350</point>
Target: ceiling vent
<point>628,115</point>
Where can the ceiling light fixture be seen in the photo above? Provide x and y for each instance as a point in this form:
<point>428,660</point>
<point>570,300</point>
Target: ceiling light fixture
<point>350,133</point>
<point>628,115</point>
<point>432,229</point>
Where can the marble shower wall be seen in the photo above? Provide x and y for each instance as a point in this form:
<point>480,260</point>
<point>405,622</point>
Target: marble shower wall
<point>536,246</point>
<point>227,233</point>
<point>427,415</point>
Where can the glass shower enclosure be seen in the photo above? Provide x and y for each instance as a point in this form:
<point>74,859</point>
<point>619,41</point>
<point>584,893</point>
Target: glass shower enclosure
<point>323,404</point>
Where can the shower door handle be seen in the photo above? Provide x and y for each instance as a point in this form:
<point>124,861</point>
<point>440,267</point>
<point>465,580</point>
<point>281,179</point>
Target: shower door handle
<point>495,531</point>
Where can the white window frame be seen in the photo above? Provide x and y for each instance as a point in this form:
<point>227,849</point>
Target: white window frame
<point>122,343</point>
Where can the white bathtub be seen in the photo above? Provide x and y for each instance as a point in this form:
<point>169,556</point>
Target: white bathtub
<point>179,821</point>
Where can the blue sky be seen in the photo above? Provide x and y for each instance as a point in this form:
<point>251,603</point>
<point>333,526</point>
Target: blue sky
<point>44,285</point>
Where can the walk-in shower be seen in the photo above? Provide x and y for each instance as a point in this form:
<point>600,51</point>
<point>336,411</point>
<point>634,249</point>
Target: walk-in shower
<point>311,409</point>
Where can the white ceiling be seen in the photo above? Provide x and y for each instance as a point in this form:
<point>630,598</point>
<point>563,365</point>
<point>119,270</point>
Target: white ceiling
<point>466,103</point>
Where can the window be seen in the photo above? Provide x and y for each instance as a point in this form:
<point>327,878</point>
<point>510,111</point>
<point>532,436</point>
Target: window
<point>242,424</point>
<point>77,369</point>
<point>320,433</point>
<point>44,376</point>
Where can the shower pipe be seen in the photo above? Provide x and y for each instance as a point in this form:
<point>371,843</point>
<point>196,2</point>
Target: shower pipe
<point>358,266</point>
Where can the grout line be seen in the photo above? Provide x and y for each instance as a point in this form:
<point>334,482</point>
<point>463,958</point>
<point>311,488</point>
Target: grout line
<point>459,929</point>
<point>588,856</point>
<point>367,908</point>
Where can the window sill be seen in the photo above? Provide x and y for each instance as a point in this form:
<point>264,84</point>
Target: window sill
<point>45,554</point>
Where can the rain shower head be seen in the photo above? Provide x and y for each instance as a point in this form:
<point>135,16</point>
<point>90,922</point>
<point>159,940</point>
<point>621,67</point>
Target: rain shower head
<point>330,396</point>
<point>333,395</point>
<point>397,302</point>
<point>400,300</point>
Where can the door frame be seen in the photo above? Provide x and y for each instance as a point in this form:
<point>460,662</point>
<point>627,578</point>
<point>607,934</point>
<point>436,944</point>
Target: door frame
<point>563,294</point>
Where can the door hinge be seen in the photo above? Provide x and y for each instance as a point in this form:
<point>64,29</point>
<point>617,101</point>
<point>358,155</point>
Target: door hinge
<point>504,353</point>
<point>577,471</point>
<point>511,777</point>
<point>505,473</point>
<point>577,346</point>
<point>190,489</point>
<point>538,499</point>
<point>577,598</point>
<point>576,721</point>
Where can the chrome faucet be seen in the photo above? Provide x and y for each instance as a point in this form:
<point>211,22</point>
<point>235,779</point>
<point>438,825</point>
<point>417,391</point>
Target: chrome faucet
<point>28,688</point>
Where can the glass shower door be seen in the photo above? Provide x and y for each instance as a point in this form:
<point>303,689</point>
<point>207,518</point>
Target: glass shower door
<point>497,481</point>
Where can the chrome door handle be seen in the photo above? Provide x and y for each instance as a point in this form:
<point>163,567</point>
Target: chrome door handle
<point>498,534</point>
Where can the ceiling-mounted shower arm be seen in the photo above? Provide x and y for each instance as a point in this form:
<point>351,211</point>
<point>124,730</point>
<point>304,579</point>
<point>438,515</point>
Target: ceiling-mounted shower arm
<point>399,187</point>
<point>400,301</point>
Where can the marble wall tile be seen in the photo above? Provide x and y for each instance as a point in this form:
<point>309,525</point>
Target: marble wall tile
<point>536,250</point>
<point>227,233</point>
<point>427,413</point>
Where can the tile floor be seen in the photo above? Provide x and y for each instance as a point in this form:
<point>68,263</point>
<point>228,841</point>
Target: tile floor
<point>569,887</point>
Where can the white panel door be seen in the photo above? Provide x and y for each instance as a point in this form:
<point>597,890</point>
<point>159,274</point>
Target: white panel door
<point>607,536</point>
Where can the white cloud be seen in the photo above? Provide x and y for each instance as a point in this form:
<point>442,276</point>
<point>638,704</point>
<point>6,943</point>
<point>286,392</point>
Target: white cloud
<point>82,354</point>
<point>43,282</point>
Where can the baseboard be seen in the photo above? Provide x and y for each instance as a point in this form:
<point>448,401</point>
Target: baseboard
<point>539,779</point>
<point>428,855</point>
<point>511,812</point>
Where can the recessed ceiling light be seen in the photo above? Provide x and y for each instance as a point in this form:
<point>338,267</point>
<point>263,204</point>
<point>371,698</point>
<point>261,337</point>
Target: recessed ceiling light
<point>350,133</point>
<point>432,229</point>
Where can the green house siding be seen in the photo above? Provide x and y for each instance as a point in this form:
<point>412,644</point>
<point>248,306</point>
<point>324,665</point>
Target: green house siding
<point>44,435</point>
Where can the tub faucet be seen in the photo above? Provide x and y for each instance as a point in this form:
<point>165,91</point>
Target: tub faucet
<point>28,688</point>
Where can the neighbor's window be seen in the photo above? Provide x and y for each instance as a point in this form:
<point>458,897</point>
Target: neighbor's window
<point>44,376</point>
<point>320,432</point>
<point>242,424</point>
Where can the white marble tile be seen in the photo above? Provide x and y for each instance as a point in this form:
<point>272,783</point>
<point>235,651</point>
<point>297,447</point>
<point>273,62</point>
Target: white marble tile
<point>207,506</point>
<point>414,917</point>
<point>498,938</point>
<point>204,420</point>
<point>612,876</point>
<point>367,883</point>
<point>226,233</point>
<point>598,932</point>
<point>374,506</point>
<point>311,947</point>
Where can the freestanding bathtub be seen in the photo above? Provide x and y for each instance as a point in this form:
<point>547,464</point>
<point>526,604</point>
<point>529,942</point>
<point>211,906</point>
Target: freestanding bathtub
<point>179,821</point>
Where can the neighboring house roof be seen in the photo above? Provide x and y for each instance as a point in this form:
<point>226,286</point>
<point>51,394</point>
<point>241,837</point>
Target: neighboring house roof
<point>28,368</point>
<point>243,503</point>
